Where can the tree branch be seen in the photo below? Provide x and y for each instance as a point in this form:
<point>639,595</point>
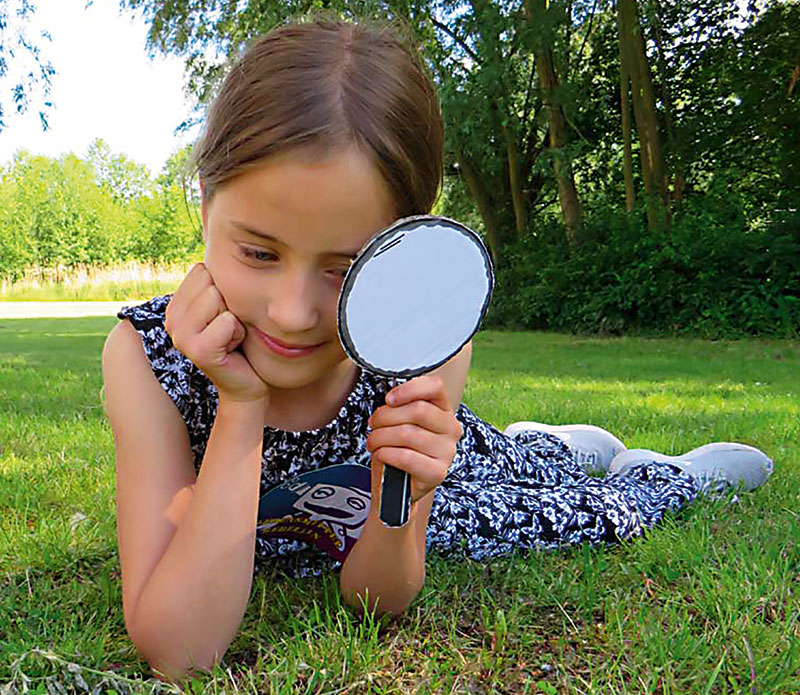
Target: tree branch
<point>455,38</point>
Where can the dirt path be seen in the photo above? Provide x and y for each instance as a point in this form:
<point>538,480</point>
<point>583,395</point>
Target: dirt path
<point>39,310</point>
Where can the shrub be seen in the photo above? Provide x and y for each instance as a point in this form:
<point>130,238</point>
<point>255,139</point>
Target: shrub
<point>712,274</point>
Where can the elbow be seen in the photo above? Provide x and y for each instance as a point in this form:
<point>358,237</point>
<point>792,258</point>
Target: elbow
<point>364,602</point>
<point>176,674</point>
<point>171,669</point>
<point>166,664</point>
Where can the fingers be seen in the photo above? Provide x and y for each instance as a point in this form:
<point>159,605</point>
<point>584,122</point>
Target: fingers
<point>198,321</point>
<point>427,426</point>
<point>195,304</point>
<point>221,337</point>
<point>422,388</point>
<point>422,413</point>
<point>417,433</point>
<point>414,438</point>
<point>206,306</point>
<point>196,280</point>
<point>426,472</point>
<point>203,329</point>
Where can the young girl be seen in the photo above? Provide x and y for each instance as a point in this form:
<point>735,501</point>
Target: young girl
<point>321,135</point>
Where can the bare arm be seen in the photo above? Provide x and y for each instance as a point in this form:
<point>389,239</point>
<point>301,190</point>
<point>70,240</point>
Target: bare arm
<point>186,543</point>
<point>385,570</point>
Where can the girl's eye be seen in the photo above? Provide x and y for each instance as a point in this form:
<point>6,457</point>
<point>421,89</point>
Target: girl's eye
<point>259,255</point>
<point>338,273</point>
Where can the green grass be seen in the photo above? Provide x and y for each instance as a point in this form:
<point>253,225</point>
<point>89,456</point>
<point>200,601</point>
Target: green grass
<point>706,603</point>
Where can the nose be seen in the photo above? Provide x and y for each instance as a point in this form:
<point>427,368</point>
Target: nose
<point>293,306</point>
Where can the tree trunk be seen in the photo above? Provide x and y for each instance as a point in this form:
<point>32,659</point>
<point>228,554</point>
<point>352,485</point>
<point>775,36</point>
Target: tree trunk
<point>481,198</point>
<point>644,111</point>
<point>515,181</point>
<point>567,193</point>
<point>627,155</point>
<point>502,115</point>
<point>542,47</point>
<point>678,177</point>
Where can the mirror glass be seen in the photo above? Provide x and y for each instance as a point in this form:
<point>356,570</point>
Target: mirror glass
<point>414,296</point>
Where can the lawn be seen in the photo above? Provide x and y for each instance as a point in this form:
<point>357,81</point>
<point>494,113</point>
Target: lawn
<point>706,603</point>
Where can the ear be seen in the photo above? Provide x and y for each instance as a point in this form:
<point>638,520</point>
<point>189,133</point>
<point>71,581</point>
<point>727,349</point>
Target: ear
<point>204,211</point>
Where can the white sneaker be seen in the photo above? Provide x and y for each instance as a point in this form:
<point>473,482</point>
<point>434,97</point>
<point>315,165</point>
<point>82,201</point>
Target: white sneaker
<point>592,447</point>
<point>721,462</point>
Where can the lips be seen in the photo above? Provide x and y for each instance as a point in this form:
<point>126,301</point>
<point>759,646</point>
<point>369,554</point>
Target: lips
<point>286,349</point>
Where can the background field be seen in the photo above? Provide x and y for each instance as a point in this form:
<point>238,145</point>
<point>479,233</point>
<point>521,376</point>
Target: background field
<point>707,603</point>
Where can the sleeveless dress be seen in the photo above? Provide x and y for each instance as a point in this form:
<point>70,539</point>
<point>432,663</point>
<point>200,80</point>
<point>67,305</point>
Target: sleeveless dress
<point>501,493</point>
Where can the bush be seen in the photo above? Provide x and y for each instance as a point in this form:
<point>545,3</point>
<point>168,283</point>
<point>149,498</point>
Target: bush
<point>711,274</point>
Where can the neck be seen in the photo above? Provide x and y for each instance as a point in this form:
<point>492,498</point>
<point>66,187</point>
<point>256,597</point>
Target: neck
<point>312,406</point>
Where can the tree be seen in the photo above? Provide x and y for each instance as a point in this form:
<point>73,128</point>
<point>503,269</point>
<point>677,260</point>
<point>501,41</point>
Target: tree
<point>120,175</point>
<point>499,139</point>
<point>540,12</point>
<point>22,62</point>
<point>56,214</point>
<point>635,69</point>
<point>532,93</point>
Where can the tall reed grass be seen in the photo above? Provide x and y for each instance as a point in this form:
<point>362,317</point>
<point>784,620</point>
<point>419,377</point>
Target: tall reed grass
<point>130,280</point>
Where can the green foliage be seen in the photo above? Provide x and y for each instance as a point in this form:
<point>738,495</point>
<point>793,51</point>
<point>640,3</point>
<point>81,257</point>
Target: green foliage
<point>56,214</point>
<point>25,72</point>
<point>712,274</point>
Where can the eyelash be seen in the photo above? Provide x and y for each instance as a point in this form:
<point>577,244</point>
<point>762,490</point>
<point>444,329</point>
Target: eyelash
<point>254,254</point>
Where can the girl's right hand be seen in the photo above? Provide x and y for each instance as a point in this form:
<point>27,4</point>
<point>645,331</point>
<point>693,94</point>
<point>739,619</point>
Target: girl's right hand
<point>201,327</point>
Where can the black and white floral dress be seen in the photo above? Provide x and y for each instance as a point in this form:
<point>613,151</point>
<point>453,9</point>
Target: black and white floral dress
<point>500,494</point>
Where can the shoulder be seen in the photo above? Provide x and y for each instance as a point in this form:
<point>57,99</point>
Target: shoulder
<point>149,314</point>
<point>126,368</point>
<point>142,336</point>
<point>138,408</point>
<point>122,344</point>
<point>146,320</point>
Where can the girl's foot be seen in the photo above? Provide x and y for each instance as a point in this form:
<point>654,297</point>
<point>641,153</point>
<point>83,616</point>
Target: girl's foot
<point>592,447</point>
<point>721,462</point>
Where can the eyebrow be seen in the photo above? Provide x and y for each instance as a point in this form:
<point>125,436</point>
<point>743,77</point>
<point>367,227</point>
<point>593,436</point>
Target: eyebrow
<point>268,237</point>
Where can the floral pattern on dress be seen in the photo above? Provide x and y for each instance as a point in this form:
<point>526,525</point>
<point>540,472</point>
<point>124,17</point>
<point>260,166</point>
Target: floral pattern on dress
<point>501,494</point>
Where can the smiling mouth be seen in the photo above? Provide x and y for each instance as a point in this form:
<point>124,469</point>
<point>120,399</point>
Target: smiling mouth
<point>286,349</point>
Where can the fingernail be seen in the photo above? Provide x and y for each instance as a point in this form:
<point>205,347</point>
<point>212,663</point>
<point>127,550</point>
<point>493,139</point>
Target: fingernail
<point>391,398</point>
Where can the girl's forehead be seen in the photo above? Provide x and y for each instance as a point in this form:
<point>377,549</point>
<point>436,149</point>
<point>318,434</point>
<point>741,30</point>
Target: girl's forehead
<point>334,202</point>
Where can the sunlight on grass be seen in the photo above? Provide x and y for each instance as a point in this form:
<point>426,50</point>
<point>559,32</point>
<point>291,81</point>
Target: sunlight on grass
<point>705,600</point>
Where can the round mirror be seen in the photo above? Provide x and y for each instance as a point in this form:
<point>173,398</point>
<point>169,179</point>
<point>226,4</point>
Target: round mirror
<point>413,297</point>
<point>415,294</point>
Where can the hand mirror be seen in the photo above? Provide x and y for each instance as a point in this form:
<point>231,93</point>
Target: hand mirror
<point>413,297</point>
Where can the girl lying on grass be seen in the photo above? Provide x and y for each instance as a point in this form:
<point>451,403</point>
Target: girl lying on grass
<point>323,134</point>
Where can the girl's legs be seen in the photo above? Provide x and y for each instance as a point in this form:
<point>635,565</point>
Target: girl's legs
<point>531,494</point>
<point>720,464</point>
<point>508,493</point>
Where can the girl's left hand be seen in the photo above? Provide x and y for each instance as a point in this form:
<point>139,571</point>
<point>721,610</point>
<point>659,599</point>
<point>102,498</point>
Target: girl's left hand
<point>417,432</point>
